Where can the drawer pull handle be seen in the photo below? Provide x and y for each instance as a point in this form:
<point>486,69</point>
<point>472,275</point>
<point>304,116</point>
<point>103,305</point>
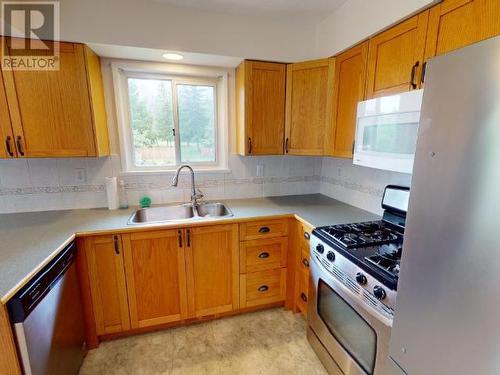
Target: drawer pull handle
<point>305,262</point>
<point>264,230</point>
<point>264,255</point>
<point>307,236</point>
<point>303,297</point>
<point>263,288</point>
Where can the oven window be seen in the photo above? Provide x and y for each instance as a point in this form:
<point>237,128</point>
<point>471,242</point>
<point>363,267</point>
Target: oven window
<point>390,138</point>
<point>355,335</point>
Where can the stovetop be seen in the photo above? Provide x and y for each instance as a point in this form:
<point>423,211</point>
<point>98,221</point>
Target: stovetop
<point>375,246</point>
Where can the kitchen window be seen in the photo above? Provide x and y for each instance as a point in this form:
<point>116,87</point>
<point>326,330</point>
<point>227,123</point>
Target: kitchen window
<point>166,120</point>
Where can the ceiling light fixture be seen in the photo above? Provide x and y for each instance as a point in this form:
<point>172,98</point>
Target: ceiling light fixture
<point>172,56</point>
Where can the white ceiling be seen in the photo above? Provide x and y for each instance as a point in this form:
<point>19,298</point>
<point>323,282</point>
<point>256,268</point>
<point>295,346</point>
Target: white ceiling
<point>151,54</point>
<point>306,8</point>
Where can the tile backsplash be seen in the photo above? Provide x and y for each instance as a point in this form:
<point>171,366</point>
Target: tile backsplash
<point>55,184</point>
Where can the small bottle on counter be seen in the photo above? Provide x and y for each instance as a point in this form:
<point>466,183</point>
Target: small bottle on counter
<point>122,195</point>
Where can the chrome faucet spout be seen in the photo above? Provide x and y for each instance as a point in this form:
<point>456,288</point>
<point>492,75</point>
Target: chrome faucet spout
<point>194,195</point>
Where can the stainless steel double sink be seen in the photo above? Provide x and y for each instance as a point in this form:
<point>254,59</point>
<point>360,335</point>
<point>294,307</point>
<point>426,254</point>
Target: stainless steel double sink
<point>180,212</point>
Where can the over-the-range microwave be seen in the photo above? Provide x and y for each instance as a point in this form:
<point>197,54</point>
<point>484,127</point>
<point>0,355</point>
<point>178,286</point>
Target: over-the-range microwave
<point>386,131</point>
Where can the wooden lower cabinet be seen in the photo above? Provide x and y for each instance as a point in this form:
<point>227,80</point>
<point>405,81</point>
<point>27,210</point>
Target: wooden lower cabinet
<point>263,287</point>
<point>212,269</point>
<point>106,274</point>
<point>156,278</point>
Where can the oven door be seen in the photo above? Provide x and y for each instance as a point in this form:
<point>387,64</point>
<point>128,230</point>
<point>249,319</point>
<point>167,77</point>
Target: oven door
<point>355,335</point>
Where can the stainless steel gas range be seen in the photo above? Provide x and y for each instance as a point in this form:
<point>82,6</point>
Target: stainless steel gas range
<point>354,277</point>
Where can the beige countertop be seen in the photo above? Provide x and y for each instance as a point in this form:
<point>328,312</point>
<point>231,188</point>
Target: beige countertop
<point>30,240</point>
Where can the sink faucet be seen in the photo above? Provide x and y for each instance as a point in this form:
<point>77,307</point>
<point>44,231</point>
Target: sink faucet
<point>195,193</point>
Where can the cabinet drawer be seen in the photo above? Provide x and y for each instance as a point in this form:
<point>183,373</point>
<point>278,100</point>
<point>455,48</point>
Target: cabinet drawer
<point>263,254</point>
<point>259,288</point>
<point>303,292</point>
<point>263,229</point>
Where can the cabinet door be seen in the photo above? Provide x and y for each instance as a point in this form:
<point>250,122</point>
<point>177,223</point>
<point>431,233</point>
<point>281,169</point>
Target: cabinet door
<point>457,23</point>
<point>266,108</point>
<point>396,56</point>
<point>212,260</point>
<point>308,106</point>
<point>349,89</point>
<point>156,280</point>
<point>107,283</point>
<point>7,147</point>
<point>50,110</point>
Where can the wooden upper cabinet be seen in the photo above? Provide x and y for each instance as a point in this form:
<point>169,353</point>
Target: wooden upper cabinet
<point>156,280</point>
<point>457,23</point>
<point>396,56</point>
<point>260,108</point>
<point>59,113</point>
<point>309,94</point>
<point>7,147</point>
<point>107,283</point>
<point>212,269</point>
<point>348,90</point>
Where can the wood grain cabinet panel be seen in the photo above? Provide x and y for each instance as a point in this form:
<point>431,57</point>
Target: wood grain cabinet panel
<point>156,280</point>
<point>455,24</point>
<point>309,95</point>
<point>348,90</point>
<point>106,272</point>
<point>396,57</point>
<point>263,287</point>
<point>59,113</point>
<point>7,147</point>
<point>263,254</point>
<point>212,269</point>
<point>260,107</point>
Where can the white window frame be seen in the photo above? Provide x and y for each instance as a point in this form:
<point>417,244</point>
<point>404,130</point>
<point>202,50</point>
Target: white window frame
<point>177,74</point>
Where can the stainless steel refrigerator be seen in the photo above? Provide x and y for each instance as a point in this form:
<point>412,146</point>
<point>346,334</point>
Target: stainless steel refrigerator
<point>447,319</point>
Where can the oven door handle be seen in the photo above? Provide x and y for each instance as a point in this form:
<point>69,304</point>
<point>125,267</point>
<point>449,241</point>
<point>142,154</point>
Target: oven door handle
<point>334,283</point>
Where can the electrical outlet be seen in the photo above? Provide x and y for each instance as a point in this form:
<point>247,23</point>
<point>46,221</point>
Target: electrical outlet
<point>260,170</point>
<point>80,175</point>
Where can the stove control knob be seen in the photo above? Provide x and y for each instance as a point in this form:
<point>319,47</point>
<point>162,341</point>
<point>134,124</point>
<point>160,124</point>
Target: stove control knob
<point>379,292</point>
<point>320,248</point>
<point>360,278</point>
<point>330,256</point>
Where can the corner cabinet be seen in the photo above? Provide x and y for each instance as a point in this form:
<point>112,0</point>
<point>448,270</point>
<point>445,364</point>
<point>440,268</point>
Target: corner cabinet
<point>260,107</point>
<point>396,57</point>
<point>106,280</point>
<point>55,113</point>
<point>348,90</point>
<point>309,95</point>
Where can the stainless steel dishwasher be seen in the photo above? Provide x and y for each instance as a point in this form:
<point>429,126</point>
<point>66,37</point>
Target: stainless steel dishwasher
<point>48,319</point>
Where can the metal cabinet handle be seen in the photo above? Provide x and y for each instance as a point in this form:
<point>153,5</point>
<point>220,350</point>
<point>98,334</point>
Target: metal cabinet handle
<point>263,288</point>
<point>303,297</point>
<point>305,262</point>
<point>264,255</point>
<point>413,73</point>
<point>264,230</point>
<point>422,76</point>
<point>307,236</point>
<point>179,233</point>
<point>188,239</point>
<point>19,141</point>
<point>249,145</point>
<point>286,146</point>
<point>8,146</point>
<point>116,245</point>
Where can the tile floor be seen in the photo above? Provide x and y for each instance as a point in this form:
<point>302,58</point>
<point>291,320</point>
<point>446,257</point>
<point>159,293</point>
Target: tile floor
<point>261,343</point>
